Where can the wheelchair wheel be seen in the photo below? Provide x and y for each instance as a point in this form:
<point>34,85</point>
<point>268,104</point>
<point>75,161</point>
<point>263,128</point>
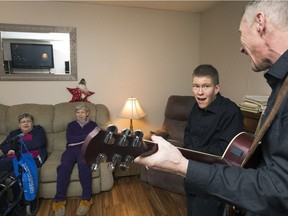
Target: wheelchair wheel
<point>32,207</point>
<point>18,210</point>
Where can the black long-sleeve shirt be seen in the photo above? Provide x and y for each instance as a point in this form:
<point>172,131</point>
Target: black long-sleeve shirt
<point>212,129</point>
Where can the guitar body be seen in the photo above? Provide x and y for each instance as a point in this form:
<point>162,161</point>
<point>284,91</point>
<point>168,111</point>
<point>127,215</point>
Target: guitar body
<point>237,151</point>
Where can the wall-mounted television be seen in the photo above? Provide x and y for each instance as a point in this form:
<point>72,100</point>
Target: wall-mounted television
<point>32,56</point>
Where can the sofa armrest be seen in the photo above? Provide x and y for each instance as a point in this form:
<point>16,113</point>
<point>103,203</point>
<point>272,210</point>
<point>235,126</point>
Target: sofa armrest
<point>160,132</point>
<point>165,135</point>
<point>106,177</point>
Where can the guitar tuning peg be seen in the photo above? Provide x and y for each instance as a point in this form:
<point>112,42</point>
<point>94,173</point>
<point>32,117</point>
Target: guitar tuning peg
<point>112,128</point>
<point>109,139</point>
<point>115,159</point>
<point>123,141</point>
<point>138,138</point>
<point>126,132</point>
<point>124,166</point>
<point>101,158</point>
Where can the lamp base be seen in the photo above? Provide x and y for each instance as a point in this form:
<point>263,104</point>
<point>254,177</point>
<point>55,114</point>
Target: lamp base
<point>131,126</point>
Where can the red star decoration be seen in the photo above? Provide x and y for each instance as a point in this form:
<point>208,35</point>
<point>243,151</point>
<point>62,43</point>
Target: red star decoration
<point>79,95</point>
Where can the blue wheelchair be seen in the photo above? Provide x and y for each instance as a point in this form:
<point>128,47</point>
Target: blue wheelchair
<point>7,182</point>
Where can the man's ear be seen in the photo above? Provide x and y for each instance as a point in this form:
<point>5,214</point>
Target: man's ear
<point>261,22</point>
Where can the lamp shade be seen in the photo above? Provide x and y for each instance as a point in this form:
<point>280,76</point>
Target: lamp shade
<point>132,109</point>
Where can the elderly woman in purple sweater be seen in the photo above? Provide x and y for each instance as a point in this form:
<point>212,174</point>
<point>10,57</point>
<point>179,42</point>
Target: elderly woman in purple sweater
<point>76,133</point>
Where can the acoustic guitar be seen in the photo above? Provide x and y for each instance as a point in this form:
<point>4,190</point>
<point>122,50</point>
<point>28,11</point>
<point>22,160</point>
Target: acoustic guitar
<point>110,146</point>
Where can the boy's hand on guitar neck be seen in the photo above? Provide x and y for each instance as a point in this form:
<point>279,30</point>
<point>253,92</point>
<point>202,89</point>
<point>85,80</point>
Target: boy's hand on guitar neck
<point>168,158</point>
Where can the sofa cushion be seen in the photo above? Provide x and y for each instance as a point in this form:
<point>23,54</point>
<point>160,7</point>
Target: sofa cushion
<point>60,139</point>
<point>179,107</point>
<point>3,130</point>
<point>102,115</point>
<point>3,109</point>
<point>64,113</point>
<point>48,171</point>
<point>177,113</point>
<point>37,110</point>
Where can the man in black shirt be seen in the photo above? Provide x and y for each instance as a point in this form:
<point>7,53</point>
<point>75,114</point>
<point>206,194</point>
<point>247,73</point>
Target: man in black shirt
<point>213,122</point>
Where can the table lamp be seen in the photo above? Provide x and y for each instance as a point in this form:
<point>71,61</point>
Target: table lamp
<point>132,110</point>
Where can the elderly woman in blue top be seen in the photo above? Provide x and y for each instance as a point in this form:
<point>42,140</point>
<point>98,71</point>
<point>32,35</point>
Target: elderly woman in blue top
<point>35,139</point>
<point>76,133</point>
<point>33,136</point>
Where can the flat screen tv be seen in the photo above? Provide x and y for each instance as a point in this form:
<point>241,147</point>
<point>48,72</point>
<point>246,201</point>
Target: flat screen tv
<point>32,56</point>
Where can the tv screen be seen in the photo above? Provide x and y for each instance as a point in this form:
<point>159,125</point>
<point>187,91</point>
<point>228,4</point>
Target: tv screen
<point>32,56</point>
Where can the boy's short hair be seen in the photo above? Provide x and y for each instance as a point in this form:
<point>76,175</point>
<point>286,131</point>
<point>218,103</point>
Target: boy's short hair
<point>206,70</point>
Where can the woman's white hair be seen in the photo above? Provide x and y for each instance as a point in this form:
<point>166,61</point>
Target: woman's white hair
<point>82,107</point>
<point>275,10</point>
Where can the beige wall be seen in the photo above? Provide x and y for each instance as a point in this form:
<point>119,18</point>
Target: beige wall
<point>122,52</point>
<point>148,54</point>
<point>220,46</point>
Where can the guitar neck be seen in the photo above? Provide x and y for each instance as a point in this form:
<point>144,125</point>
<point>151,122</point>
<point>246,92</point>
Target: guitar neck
<point>201,156</point>
<point>188,154</point>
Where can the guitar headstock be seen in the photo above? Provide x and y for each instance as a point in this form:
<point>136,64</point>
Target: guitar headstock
<point>110,146</point>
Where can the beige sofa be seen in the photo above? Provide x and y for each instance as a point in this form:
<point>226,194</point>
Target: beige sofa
<point>54,119</point>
